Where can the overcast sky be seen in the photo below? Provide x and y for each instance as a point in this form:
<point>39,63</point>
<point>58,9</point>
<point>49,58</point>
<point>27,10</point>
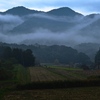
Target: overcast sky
<point>82,6</point>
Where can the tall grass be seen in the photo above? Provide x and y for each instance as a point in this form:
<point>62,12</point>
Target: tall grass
<point>22,75</point>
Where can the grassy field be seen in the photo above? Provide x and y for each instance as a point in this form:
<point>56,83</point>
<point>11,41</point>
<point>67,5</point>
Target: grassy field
<point>22,74</point>
<point>47,76</point>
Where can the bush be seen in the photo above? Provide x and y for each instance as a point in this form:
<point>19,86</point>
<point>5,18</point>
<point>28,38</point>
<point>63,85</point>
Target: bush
<point>6,70</point>
<point>5,74</point>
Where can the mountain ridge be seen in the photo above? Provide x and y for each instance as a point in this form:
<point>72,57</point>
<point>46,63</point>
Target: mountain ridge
<point>64,11</point>
<point>32,11</point>
<point>21,10</point>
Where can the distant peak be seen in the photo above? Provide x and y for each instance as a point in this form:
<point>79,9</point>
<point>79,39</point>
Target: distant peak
<point>20,11</point>
<point>19,8</point>
<point>92,15</point>
<point>64,11</point>
<point>64,8</point>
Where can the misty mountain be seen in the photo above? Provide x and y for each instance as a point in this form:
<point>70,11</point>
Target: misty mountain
<point>93,29</point>
<point>20,11</point>
<point>48,21</point>
<point>92,15</point>
<point>62,26</point>
<point>64,11</point>
<point>36,23</point>
<point>34,20</point>
<point>8,22</point>
<point>88,48</point>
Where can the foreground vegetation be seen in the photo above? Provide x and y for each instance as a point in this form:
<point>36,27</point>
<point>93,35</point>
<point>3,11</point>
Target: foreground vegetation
<point>87,93</point>
<point>41,83</point>
<point>18,75</point>
<point>51,83</point>
<point>38,78</point>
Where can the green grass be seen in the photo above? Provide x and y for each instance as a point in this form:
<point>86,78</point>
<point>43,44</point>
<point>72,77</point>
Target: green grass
<point>22,75</point>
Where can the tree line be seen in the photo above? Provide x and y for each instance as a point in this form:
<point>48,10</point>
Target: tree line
<point>16,55</point>
<point>62,54</point>
<point>51,54</point>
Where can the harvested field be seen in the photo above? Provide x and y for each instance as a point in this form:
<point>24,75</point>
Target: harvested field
<point>40,74</point>
<point>54,84</point>
<point>74,73</point>
<point>69,74</point>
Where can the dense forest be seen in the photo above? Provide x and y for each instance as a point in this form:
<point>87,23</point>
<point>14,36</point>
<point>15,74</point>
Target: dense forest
<point>52,54</point>
<point>15,55</point>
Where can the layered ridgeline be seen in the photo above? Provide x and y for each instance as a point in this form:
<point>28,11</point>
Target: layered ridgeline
<point>55,20</point>
<point>58,26</point>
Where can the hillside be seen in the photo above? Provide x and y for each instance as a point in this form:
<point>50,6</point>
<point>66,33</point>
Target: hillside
<point>88,48</point>
<point>36,23</point>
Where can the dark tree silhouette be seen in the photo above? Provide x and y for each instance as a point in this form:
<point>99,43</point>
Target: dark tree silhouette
<point>83,58</point>
<point>97,59</point>
<point>24,57</point>
<point>17,54</point>
<point>28,58</point>
<point>7,53</point>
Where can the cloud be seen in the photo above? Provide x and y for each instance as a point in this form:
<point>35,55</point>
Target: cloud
<point>55,18</point>
<point>10,18</point>
<point>7,22</point>
<point>44,36</point>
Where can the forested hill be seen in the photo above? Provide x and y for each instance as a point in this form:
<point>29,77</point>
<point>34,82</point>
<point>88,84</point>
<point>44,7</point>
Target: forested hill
<point>55,53</point>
